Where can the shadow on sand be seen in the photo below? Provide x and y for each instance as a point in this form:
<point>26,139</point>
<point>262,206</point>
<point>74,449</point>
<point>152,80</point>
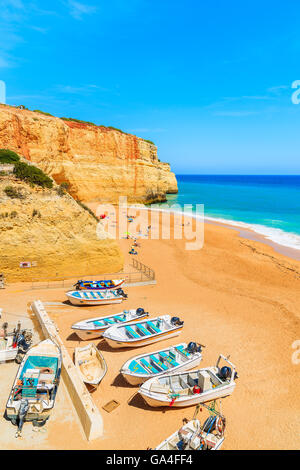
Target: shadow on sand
<point>119,381</point>
<point>138,401</point>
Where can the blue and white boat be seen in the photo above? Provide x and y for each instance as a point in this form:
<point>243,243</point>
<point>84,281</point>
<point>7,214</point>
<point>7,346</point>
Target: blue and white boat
<point>33,393</point>
<point>176,358</point>
<point>99,285</point>
<point>94,327</point>
<point>96,297</point>
<point>143,332</point>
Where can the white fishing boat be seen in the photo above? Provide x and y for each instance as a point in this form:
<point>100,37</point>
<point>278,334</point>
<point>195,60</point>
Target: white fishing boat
<point>193,436</point>
<point>94,327</point>
<point>90,364</point>
<point>143,332</point>
<point>96,297</point>
<point>33,393</point>
<point>190,388</point>
<point>176,358</point>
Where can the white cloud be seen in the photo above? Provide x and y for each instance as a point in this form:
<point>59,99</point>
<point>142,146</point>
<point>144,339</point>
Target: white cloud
<point>77,9</point>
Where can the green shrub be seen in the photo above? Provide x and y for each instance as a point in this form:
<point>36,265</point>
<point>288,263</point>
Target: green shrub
<point>32,175</point>
<point>42,112</point>
<point>62,188</point>
<point>78,120</point>
<point>8,156</point>
<point>13,193</point>
<point>35,213</point>
<point>149,141</point>
<point>86,209</point>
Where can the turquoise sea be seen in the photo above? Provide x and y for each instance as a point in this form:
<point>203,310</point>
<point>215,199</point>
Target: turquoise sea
<point>269,205</point>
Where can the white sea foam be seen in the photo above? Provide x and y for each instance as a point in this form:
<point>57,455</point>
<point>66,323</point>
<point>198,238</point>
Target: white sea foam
<point>275,235</point>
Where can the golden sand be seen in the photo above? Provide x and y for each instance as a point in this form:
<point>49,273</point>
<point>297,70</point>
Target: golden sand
<point>237,297</point>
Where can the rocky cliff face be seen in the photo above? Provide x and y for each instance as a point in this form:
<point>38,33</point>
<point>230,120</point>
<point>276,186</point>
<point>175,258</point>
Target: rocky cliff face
<point>52,231</point>
<point>100,164</point>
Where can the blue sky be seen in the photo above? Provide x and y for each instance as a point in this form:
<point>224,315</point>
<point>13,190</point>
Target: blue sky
<point>208,82</point>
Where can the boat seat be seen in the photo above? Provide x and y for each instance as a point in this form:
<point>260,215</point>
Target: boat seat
<point>137,368</point>
<point>143,330</point>
<point>158,388</point>
<point>157,330</point>
<point>175,383</point>
<point>204,381</point>
<point>192,379</point>
<point>158,362</point>
<point>131,332</point>
<point>183,351</point>
<point>109,321</point>
<point>168,359</point>
<point>148,366</point>
<point>120,318</point>
<point>98,323</point>
<point>183,382</point>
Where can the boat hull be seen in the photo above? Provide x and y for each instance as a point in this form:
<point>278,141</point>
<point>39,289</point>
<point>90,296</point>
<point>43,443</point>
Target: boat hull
<point>118,343</point>
<point>190,400</point>
<point>86,302</point>
<point>138,379</point>
<point>8,354</point>
<point>85,334</point>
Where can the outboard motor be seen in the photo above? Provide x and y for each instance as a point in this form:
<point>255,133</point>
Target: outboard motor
<point>140,311</point>
<point>23,342</point>
<point>121,292</point>
<point>193,347</point>
<point>77,285</point>
<point>176,321</point>
<point>24,406</point>
<point>225,372</point>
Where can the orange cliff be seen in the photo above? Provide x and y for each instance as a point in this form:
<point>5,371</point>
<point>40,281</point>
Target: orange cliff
<point>98,163</point>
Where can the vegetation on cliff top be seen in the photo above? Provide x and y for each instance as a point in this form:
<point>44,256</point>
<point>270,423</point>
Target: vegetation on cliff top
<point>32,175</point>
<point>79,121</point>
<point>8,156</point>
<point>13,193</point>
<point>86,208</point>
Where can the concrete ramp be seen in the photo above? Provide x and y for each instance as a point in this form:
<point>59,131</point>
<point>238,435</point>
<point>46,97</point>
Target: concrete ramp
<point>88,413</point>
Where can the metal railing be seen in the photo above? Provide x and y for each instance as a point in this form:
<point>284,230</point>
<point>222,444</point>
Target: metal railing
<point>143,274</point>
<point>142,268</point>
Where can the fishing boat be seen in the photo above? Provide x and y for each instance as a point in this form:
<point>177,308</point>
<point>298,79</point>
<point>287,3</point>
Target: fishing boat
<point>90,364</point>
<point>97,297</point>
<point>99,285</point>
<point>193,436</point>
<point>176,358</point>
<point>12,343</point>
<point>190,388</point>
<point>94,327</point>
<point>143,332</point>
<point>33,393</point>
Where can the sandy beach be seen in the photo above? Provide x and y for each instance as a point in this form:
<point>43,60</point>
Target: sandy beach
<point>236,296</point>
